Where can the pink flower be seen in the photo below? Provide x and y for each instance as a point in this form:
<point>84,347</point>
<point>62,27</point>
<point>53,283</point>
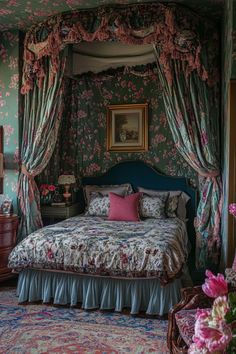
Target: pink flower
<point>219,309</point>
<point>214,338</point>
<point>43,186</point>
<point>51,188</point>
<point>193,349</point>
<point>215,286</point>
<point>232,209</point>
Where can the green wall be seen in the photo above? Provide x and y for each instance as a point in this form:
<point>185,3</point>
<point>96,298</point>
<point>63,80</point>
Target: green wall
<point>81,148</point>
<point>9,77</point>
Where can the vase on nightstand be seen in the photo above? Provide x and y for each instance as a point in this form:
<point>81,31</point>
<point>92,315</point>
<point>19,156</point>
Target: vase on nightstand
<point>46,199</point>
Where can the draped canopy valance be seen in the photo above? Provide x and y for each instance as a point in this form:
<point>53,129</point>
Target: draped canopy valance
<point>178,32</point>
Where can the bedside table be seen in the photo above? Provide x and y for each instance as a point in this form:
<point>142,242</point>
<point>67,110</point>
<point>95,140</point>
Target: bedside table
<point>53,213</point>
<point>8,229</point>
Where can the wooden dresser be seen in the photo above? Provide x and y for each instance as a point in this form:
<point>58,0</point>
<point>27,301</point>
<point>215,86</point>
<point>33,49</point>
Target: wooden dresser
<point>8,229</point>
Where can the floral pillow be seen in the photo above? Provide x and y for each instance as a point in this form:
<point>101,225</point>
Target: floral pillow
<point>121,189</point>
<point>172,206</point>
<point>175,204</point>
<point>98,205</point>
<point>152,207</point>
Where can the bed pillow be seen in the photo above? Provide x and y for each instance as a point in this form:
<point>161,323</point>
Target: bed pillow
<point>172,205</point>
<point>124,208</point>
<point>180,199</point>
<point>120,189</point>
<point>98,205</point>
<point>175,204</point>
<point>152,207</point>
<point>153,192</point>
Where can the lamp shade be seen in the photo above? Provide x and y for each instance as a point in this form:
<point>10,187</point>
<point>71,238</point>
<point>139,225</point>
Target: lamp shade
<point>66,179</point>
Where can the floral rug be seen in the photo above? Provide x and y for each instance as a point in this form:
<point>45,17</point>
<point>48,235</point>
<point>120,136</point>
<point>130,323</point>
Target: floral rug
<point>33,329</point>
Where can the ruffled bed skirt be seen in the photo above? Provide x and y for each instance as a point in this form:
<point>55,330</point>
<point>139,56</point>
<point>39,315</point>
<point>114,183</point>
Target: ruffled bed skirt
<point>99,292</point>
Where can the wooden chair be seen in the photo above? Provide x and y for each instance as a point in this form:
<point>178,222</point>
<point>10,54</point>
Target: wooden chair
<point>192,298</point>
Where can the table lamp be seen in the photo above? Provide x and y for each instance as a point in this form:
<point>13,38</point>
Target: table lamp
<point>66,180</point>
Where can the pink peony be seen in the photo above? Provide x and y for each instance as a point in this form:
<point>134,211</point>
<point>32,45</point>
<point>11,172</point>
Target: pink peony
<point>215,339</point>
<point>51,188</point>
<point>232,209</point>
<point>210,336</point>
<point>43,187</point>
<point>193,349</point>
<point>219,309</point>
<point>215,286</point>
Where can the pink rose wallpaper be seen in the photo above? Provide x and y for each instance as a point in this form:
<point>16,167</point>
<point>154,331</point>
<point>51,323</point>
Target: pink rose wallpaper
<point>9,77</point>
<point>81,148</point>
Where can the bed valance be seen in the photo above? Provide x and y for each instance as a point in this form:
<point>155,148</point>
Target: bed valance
<point>177,31</point>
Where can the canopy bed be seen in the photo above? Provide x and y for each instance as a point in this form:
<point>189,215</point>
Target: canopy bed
<point>111,264</point>
<point>188,74</point>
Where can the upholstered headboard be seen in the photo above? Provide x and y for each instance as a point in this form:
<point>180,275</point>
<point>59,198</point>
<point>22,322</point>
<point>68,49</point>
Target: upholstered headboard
<point>140,174</point>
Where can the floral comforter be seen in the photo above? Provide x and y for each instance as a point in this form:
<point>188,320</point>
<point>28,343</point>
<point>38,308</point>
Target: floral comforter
<point>93,245</point>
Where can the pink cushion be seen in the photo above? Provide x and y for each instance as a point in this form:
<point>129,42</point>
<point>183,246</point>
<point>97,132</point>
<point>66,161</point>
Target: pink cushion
<point>124,208</point>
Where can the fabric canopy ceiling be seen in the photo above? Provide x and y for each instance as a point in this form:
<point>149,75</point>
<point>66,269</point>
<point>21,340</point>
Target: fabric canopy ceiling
<point>100,56</point>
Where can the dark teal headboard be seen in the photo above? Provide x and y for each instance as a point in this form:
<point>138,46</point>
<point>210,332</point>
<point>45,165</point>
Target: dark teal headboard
<point>139,174</point>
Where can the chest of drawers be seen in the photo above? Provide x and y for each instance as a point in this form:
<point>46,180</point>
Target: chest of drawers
<point>8,229</point>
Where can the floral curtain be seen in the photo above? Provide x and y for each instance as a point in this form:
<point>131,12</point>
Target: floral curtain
<point>42,115</point>
<point>193,114</point>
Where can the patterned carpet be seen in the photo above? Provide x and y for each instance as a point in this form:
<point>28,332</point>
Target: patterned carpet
<point>33,329</point>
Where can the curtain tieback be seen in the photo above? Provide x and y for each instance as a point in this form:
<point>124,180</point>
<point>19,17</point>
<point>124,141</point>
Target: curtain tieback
<point>26,173</point>
<point>209,174</point>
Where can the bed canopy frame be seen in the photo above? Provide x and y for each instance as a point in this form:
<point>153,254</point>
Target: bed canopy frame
<point>186,60</point>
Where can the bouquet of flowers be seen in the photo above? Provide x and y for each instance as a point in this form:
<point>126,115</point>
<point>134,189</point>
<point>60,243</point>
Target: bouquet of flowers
<point>46,192</point>
<point>214,328</point>
<point>45,189</point>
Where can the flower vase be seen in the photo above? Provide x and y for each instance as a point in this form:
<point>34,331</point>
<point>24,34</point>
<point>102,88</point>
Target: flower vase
<point>46,199</point>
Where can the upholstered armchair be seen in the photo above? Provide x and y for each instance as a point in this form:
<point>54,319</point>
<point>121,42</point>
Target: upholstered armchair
<point>182,319</point>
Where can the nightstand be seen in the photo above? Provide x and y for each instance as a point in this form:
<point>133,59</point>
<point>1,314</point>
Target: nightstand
<point>8,229</point>
<point>53,213</point>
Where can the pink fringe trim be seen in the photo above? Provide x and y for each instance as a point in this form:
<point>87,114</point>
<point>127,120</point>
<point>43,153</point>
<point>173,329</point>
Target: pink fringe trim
<point>114,25</point>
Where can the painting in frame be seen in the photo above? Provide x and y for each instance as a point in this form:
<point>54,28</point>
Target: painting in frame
<point>127,127</point>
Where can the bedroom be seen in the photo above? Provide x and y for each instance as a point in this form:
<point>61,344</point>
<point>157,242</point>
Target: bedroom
<point>161,154</point>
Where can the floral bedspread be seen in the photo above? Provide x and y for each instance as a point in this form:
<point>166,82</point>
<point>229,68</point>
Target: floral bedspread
<point>93,245</point>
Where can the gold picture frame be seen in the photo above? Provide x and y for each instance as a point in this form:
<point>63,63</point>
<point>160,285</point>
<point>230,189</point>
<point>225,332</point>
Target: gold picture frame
<point>127,127</point>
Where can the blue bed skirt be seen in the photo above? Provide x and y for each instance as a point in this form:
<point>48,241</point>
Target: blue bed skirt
<point>102,293</point>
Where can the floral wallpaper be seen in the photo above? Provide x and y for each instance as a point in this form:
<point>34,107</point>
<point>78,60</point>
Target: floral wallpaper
<point>81,147</point>
<point>22,14</point>
<point>233,74</point>
<point>9,75</point>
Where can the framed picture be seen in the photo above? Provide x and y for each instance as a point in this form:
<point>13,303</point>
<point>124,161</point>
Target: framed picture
<point>127,127</point>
